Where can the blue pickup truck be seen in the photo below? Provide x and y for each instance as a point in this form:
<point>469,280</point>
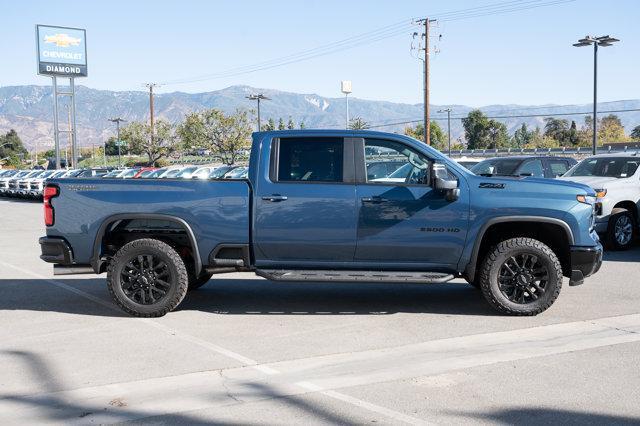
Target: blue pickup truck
<point>311,211</point>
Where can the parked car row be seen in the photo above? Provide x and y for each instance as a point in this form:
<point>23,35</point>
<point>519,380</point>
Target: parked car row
<point>30,183</point>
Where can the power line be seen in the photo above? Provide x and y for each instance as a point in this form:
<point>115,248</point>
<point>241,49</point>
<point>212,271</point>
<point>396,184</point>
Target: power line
<point>506,116</point>
<point>369,37</point>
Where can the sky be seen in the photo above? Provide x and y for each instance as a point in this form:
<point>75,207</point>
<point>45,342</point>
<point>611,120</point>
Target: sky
<point>523,57</point>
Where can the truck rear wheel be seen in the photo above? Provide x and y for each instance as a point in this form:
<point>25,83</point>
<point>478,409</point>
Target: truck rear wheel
<point>521,276</point>
<point>147,278</point>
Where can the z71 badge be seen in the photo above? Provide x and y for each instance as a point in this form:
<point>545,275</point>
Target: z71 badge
<point>491,185</point>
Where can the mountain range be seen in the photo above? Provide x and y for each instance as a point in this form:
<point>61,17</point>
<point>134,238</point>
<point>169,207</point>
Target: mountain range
<point>29,110</point>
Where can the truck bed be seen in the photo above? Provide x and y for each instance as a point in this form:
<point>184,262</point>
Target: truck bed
<point>217,211</point>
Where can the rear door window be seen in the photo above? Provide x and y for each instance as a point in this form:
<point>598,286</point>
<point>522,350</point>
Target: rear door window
<point>532,168</point>
<point>558,167</point>
<point>310,160</point>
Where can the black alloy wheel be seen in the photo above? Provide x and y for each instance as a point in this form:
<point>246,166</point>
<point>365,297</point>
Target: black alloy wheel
<point>523,278</point>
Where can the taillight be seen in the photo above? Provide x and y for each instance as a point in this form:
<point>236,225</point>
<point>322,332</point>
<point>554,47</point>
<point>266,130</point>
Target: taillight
<point>49,193</point>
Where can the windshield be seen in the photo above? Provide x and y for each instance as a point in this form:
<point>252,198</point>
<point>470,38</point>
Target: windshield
<point>146,173</point>
<point>155,173</point>
<point>48,173</point>
<point>606,167</point>
<point>186,172</point>
<point>497,166</point>
<point>220,171</point>
<point>113,173</point>
<point>171,173</point>
<point>129,173</point>
<point>236,173</point>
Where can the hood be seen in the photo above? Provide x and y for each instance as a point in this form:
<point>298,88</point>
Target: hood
<point>527,182</point>
<point>596,182</point>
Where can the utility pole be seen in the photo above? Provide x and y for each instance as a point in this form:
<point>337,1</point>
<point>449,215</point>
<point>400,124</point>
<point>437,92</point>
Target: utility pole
<point>258,97</point>
<point>448,111</point>
<point>118,120</point>
<point>427,116</point>
<point>151,86</point>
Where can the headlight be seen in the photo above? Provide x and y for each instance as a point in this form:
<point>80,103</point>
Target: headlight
<point>586,199</point>
<point>600,193</point>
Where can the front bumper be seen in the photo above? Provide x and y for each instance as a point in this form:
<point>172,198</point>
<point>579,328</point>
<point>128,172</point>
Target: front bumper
<point>585,261</point>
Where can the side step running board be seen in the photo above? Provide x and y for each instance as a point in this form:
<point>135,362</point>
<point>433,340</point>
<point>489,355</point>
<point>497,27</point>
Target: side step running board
<point>354,276</point>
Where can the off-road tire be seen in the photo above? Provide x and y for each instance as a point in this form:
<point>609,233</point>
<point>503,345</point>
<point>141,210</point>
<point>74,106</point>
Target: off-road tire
<point>197,282</point>
<point>178,282</point>
<point>494,261</point>
<point>616,215</point>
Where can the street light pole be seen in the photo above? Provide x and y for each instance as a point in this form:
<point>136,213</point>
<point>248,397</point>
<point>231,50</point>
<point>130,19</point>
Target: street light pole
<point>448,111</point>
<point>603,41</point>
<point>258,97</point>
<point>345,87</point>
<point>116,120</point>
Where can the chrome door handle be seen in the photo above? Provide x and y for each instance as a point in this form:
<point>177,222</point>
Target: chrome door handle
<point>275,198</point>
<point>374,200</point>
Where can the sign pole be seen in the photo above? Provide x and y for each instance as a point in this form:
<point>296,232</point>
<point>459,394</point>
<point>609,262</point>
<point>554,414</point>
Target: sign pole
<point>56,133</point>
<point>74,139</point>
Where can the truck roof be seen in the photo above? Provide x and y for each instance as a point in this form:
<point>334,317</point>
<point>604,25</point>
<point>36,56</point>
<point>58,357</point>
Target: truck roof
<point>328,132</point>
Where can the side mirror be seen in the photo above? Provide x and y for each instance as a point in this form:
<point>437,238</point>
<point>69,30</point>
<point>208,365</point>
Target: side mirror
<point>442,183</point>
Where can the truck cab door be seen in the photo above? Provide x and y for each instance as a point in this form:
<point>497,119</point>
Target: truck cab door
<point>402,221</point>
<point>305,212</point>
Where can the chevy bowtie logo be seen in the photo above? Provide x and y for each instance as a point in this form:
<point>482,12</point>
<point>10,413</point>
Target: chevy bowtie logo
<point>62,40</point>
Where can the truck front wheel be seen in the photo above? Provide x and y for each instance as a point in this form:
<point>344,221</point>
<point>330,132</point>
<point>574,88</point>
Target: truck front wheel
<point>621,230</point>
<point>521,276</point>
<point>147,278</point>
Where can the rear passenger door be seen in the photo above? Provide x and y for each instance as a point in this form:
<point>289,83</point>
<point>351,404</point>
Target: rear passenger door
<point>305,208</point>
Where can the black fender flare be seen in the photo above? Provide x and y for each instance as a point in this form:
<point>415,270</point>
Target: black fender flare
<point>96,263</point>
<point>470,269</point>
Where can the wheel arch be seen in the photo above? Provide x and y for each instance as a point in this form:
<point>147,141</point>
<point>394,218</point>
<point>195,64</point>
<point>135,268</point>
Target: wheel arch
<point>505,224</point>
<point>627,205</point>
<point>97,263</point>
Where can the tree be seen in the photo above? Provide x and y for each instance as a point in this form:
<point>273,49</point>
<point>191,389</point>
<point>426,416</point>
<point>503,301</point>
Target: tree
<point>271,125</point>
<point>572,136</point>
<point>110,146</point>
<point>437,136</point>
<point>290,124</point>
<point>556,128</point>
<point>635,133</point>
<point>302,126</point>
<point>281,125</point>
<point>138,135</point>
<point>610,129</point>
<point>522,136</point>
<point>357,123</point>
<point>12,149</point>
<point>226,135</point>
<point>482,133</point>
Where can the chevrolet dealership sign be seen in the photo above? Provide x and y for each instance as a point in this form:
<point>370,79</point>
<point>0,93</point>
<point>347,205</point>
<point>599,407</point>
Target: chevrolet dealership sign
<point>61,51</point>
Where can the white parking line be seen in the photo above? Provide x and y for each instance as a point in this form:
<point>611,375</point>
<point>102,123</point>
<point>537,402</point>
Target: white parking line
<point>392,414</point>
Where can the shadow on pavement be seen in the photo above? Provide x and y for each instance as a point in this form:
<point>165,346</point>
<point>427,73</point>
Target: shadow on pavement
<point>631,255</point>
<point>259,297</point>
<point>48,406</point>
<point>548,416</point>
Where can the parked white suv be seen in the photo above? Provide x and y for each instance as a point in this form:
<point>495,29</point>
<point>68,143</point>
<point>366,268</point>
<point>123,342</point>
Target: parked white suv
<point>616,180</point>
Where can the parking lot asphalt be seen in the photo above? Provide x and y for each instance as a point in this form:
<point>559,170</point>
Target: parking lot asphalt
<point>243,350</point>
